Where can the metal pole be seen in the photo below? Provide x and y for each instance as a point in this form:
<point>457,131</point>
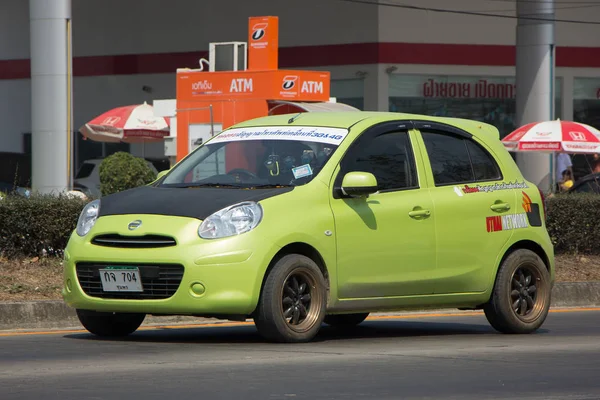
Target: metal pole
<point>212,129</point>
<point>50,36</point>
<point>70,146</point>
<point>535,81</point>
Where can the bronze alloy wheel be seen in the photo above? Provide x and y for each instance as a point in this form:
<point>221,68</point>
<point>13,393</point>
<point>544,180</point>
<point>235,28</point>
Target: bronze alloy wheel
<point>528,293</point>
<point>292,304</point>
<point>520,299</point>
<point>298,294</point>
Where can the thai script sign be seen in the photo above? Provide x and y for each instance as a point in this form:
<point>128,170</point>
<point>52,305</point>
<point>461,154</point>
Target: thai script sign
<point>478,90</point>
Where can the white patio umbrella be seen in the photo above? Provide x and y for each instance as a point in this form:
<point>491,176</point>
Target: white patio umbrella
<point>553,137</point>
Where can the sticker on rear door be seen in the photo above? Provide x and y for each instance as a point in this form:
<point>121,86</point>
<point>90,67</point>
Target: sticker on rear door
<point>490,188</point>
<point>506,222</point>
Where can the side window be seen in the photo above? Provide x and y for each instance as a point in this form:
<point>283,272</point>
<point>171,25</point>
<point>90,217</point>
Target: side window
<point>388,156</point>
<point>458,160</point>
<point>585,188</point>
<point>484,166</point>
<point>588,187</point>
<point>449,158</point>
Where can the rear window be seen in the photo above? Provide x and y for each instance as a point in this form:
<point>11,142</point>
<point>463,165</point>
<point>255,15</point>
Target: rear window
<point>458,160</point>
<point>85,171</point>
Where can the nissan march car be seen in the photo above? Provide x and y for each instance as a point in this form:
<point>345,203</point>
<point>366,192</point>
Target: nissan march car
<point>299,220</point>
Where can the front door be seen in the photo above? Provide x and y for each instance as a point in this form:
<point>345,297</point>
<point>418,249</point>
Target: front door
<point>476,210</point>
<point>386,242</point>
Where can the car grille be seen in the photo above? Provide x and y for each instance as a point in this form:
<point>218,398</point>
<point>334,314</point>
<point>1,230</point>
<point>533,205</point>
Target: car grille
<point>160,281</point>
<point>133,242</point>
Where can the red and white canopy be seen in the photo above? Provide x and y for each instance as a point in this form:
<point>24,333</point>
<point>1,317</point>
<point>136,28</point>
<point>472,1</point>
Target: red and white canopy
<point>131,124</point>
<point>554,136</point>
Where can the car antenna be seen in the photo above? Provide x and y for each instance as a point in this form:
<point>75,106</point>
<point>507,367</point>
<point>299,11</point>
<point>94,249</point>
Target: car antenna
<point>294,118</point>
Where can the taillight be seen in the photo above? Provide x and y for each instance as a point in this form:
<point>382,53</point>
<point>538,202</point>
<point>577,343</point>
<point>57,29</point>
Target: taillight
<point>543,202</point>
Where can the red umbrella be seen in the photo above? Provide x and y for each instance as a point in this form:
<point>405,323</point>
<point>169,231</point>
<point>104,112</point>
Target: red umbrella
<point>554,136</point>
<point>130,124</point>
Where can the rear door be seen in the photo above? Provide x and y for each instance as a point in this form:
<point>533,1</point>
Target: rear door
<point>476,210</point>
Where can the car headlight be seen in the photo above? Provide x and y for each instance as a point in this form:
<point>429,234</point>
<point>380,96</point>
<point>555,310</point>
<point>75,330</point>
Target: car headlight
<point>233,220</point>
<point>88,217</point>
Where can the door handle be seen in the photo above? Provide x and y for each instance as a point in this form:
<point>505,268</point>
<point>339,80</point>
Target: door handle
<point>419,213</point>
<point>500,207</point>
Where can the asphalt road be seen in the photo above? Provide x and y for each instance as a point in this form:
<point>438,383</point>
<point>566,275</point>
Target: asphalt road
<point>449,357</point>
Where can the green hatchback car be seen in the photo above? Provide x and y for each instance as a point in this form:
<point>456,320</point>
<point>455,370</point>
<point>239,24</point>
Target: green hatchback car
<point>299,220</point>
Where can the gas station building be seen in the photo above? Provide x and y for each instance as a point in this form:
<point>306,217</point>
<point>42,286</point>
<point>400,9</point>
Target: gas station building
<point>456,59</point>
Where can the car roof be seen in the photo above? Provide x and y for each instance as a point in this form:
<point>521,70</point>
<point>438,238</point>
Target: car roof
<point>588,177</point>
<point>346,119</point>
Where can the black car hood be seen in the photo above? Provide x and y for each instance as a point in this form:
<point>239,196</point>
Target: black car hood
<point>180,202</point>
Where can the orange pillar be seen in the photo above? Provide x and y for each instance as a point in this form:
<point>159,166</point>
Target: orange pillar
<point>183,138</point>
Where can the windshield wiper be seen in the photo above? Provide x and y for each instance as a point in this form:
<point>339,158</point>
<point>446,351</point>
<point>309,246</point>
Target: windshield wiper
<point>270,185</point>
<point>197,185</point>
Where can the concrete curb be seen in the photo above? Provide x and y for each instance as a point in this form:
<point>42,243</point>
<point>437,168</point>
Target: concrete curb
<point>33,315</point>
<point>576,294</point>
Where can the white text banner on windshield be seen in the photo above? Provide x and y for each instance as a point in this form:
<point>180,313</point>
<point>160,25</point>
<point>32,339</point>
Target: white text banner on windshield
<point>307,133</point>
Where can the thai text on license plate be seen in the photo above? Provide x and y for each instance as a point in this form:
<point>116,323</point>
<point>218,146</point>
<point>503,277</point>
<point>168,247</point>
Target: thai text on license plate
<point>121,279</point>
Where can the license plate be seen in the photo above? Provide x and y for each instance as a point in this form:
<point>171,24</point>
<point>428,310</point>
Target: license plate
<point>121,279</point>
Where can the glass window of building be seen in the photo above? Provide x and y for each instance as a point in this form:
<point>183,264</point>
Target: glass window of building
<point>586,101</point>
<point>586,109</point>
<point>349,91</point>
<point>487,99</point>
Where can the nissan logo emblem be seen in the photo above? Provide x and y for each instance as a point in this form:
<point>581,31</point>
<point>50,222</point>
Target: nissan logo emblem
<point>134,224</point>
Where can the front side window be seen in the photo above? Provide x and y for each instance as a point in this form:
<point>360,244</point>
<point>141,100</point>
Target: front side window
<point>456,159</point>
<point>258,157</point>
<point>388,157</point>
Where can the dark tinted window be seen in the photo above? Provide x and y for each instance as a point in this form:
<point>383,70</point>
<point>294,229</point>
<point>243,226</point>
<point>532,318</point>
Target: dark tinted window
<point>588,187</point>
<point>456,160</point>
<point>449,158</point>
<point>388,157</point>
<point>85,171</point>
<point>484,166</point>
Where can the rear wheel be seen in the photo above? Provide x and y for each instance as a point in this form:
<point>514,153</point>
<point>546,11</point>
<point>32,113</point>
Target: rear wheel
<point>521,297</point>
<point>293,300</point>
<point>110,324</point>
<point>345,320</point>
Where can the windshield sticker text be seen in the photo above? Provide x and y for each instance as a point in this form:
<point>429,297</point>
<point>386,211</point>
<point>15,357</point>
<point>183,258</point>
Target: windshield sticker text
<point>314,134</point>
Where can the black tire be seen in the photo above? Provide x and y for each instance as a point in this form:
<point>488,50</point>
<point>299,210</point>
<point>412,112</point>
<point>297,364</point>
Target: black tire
<point>345,320</point>
<point>282,299</point>
<point>520,300</point>
<point>110,324</point>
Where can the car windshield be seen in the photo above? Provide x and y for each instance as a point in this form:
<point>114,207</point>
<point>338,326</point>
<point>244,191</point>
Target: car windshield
<point>258,157</point>
<point>85,170</point>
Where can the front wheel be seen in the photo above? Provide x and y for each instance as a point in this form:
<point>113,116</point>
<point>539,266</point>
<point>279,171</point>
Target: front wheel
<point>293,300</point>
<point>520,300</point>
<point>110,324</point>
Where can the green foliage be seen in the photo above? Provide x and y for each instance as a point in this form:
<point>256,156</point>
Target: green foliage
<point>40,225</point>
<point>121,171</point>
<point>574,223</point>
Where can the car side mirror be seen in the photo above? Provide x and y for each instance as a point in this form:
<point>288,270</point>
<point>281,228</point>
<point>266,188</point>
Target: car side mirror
<point>357,184</point>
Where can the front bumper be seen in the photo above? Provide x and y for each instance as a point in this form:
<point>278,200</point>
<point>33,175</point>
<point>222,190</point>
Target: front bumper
<point>219,277</point>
